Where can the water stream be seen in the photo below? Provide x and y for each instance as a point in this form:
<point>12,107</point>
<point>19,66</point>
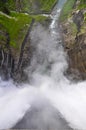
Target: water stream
<point>49,101</point>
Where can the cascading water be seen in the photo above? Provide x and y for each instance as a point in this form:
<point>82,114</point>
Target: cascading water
<point>50,100</point>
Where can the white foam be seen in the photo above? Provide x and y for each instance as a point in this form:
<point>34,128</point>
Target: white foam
<point>48,80</point>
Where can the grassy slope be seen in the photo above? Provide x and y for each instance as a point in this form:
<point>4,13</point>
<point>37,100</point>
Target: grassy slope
<point>67,9</point>
<point>47,5</point>
<point>28,5</point>
<point>17,24</point>
<point>82,4</point>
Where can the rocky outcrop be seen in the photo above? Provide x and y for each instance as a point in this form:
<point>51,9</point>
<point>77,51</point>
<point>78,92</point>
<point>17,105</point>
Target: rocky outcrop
<point>16,21</point>
<point>6,64</point>
<point>24,57</point>
<point>74,34</point>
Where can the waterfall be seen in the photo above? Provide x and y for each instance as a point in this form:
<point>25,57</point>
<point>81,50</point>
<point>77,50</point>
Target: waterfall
<point>49,101</point>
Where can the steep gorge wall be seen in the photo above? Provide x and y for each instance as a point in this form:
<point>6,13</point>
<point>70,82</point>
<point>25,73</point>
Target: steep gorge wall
<point>74,33</point>
<point>16,22</point>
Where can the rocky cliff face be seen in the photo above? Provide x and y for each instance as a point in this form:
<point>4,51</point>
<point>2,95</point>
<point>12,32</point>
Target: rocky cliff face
<point>16,21</point>
<point>74,34</point>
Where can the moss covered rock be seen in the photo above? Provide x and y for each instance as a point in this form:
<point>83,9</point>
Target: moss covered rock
<point>16,20</point>
<point>74,33</point>
<point>29,6</point>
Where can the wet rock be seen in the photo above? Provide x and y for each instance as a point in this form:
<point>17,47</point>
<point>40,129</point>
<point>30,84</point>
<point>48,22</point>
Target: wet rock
<point>78,19</point>
<point>74,35</point>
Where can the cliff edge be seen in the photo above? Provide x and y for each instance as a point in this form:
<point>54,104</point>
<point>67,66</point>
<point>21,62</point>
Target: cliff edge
<point>73,21</point>
<point>17,19</point>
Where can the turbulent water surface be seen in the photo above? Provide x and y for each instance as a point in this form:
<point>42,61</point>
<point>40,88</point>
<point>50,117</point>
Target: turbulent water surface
<point>50,101</point>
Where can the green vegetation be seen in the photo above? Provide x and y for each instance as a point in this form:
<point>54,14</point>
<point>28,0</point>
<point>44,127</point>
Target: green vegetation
<point>47,5</point>
<point>39,7</point>
<point>82,4</point>
<point>83,1</point>
<point>73,29</point>
<point>29,6</point>
<point>15,20</point>
<point>85,17</point>
<point>17,24</point>
<point>11,4</point>
<point>4,7</point>
<point>67,9</point>
<point>14,25</point>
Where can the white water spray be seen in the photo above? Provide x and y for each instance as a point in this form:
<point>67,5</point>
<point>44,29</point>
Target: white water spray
<point>48,85</point>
